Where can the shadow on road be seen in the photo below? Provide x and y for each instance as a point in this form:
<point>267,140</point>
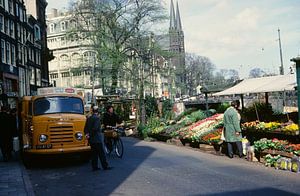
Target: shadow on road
<point>256,192</point>
<point>70,176</point>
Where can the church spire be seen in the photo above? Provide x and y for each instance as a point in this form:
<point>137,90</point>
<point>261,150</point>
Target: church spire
<point>172,16</point>
<point>178,19</point>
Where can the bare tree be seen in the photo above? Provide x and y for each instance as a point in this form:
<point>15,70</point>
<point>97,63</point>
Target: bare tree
<point>110,25</point>
<point>230,75</point>
<point>199,70</point>
<point>256,73</point>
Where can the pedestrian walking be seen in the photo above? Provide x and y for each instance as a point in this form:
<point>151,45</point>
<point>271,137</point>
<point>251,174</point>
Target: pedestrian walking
<point>232,129</point>
<point>5,134</point>
<point>92,131</point>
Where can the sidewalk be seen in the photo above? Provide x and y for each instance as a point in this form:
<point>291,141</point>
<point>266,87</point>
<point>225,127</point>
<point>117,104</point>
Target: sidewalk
<point>14,179</point>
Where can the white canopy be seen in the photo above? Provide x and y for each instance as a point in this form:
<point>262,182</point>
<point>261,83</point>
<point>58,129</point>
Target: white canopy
<point>263,84</point>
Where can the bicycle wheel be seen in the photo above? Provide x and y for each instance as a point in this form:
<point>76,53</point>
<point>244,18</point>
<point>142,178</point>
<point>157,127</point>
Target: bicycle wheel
<point>119,147</point>
<point>107,146</point>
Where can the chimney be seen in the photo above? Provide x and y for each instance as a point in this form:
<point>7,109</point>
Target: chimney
<point>54,12</point>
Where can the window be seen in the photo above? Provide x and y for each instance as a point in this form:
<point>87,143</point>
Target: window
<point>29,54</point>
<point>1,22</point>
<point>65,61</point>
<point>19,53</point>
<point>37,33</point>
<point>54,75</point>
<point>21,34</point>
<point>73,24</point>
<point>25,58</point>
<point>38,57</point>
<point>6,26</point>
<point>2,3</point>
<point>18,31</point>
<point>17,10</point>
<point>10,7</point>
<point>24,16</point>
<point>13,55</point>
<point>65,74</point>
<point>38,77</point>
<point>63,26</point>
<point>63,41</point>
<point>3,51</point>
<point>12,29</point>
<point>52,105</point>
<point>7,54</point>
<point>77,73</point>
<point>32,75</point>
<point>21,14</point>
<point>52,28</point>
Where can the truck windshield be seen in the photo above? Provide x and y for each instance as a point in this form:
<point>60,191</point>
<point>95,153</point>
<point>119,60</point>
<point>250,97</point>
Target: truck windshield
<point>53,105</point>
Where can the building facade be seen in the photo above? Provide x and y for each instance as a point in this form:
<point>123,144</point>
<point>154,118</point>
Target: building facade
<point>21,64</point>
<point>74,60</point>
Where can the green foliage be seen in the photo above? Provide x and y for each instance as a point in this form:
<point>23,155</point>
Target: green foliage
<point>153,122</point>
<point>151,106</point>
<point>274,144</point>
<point>185,113</point>
<point>167,107</point>
<point>198,115</point>
<point>142,130</point>
<point>222,108</point>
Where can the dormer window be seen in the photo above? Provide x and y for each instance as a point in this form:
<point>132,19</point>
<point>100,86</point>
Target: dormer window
<point>63,26</point>
<point>52,28</point>
<point>37,33</point>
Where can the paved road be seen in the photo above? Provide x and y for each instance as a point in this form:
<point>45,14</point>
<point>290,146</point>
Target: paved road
<point>153,168</point>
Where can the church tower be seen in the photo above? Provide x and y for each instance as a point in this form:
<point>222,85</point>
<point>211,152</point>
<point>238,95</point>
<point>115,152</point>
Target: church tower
<point>177,48</point>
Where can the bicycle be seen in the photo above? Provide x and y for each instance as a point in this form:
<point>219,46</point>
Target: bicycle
<point>113,141</point>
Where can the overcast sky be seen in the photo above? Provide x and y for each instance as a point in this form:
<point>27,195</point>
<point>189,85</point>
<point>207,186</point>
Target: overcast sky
<point>237,34</point>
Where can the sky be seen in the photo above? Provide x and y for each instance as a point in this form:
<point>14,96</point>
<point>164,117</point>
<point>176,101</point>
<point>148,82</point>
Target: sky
<point>237,34</point>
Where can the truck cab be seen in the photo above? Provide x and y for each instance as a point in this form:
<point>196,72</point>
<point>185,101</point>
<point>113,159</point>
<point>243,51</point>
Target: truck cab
<point>53,122</point>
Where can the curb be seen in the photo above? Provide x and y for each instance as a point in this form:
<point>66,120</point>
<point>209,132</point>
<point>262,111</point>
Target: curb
<point>26,180</point>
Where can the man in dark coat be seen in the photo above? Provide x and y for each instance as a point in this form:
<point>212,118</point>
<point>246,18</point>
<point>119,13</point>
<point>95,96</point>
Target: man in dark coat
<point>110,118</point>
<point>93,133</point>
<point>5,134</point>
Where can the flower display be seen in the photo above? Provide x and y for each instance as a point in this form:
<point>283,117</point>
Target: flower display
<point>286,128</point>
<point>202,127</point>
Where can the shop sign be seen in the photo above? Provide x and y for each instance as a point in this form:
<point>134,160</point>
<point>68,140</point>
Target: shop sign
<point>55,90</point>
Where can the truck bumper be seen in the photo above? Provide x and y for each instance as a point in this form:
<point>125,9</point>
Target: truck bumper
<point>65,150</point>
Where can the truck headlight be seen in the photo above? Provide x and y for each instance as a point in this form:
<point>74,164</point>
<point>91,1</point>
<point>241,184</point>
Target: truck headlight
<point>43,138</point>
<point>78,136</point>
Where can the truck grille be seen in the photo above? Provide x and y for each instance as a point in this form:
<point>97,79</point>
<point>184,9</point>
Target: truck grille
<point>61,134</point>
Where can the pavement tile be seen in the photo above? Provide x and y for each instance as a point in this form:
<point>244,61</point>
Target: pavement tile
<point>14,179</point>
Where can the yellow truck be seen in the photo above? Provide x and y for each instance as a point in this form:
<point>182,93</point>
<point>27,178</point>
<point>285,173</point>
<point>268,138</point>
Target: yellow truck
<point>52,122</point>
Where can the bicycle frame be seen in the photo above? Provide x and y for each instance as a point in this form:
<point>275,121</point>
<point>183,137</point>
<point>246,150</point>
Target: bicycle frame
<point>113,143</point>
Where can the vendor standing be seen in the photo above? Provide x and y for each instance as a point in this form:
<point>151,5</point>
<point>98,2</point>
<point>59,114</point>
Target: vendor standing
<point>232,128</point>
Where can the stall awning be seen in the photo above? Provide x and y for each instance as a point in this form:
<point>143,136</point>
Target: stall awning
<point>262,85</point>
